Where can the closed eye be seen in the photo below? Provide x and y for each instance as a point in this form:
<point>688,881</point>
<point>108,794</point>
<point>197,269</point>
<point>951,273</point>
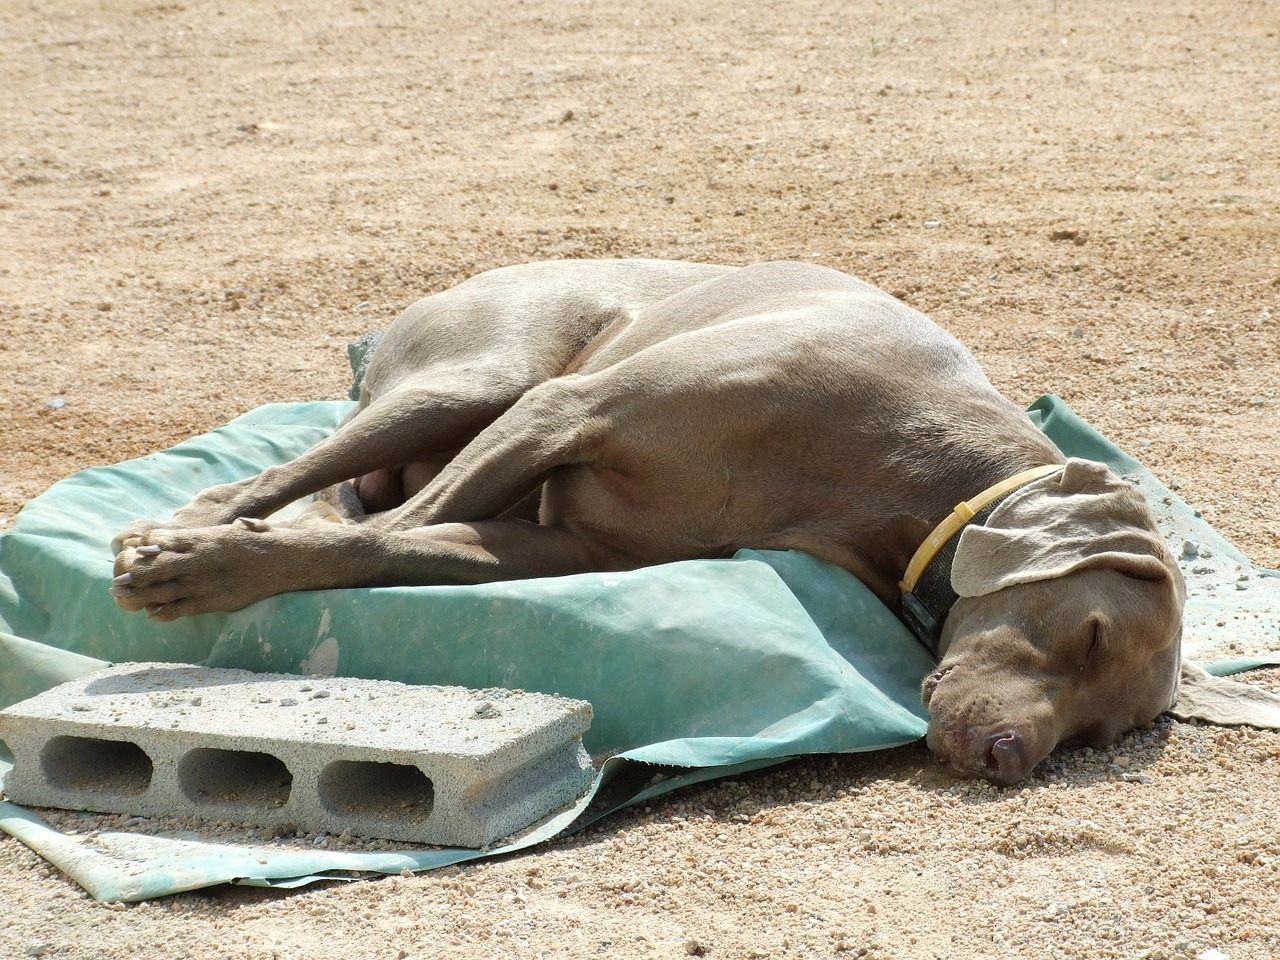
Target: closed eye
<point>1095,645</point>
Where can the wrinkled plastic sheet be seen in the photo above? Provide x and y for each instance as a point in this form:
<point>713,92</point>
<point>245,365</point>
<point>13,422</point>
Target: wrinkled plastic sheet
<point>695,670</point>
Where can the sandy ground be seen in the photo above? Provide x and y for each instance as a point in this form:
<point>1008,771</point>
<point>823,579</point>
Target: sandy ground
<point>200,204</point>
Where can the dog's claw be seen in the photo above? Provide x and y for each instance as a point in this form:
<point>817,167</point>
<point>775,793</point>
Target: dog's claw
<point>148,550</point>
<point>931,684</point>
<point>154,610</point>
<point>254,524</point>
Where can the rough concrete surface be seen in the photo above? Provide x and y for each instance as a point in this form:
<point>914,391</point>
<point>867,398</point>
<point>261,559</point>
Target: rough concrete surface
<point>441,765</point>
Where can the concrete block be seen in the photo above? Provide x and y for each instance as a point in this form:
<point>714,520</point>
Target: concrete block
<point>438,765</point>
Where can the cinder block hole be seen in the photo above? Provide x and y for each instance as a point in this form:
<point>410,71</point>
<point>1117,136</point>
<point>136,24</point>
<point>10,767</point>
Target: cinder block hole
<point>207,775</point>
<point>361,788</point>
<point>100,766</point>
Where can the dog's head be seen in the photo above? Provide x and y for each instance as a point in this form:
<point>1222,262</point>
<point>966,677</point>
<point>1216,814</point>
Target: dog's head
<point>1067,629</point>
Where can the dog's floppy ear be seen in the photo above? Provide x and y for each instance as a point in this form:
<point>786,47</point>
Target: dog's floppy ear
<point>1085,516</point>
<point>1202,696</point>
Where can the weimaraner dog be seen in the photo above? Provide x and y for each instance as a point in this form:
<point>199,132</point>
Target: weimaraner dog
<point>574,416</point>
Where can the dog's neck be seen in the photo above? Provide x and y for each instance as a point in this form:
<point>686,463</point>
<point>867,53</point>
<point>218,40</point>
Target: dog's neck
<point>927,595</point>
<point>965,512</point>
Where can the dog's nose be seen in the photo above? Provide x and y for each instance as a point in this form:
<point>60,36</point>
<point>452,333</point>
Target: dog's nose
<point>1006,757</point>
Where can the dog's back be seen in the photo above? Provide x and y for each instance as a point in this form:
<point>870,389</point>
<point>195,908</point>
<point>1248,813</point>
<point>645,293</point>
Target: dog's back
<point>527,323</point>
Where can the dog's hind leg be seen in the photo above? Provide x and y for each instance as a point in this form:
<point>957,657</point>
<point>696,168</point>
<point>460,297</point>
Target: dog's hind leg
<point>418,418</point>
<point>550,426</point>
<point>453,531</point>
<point>173,572</point>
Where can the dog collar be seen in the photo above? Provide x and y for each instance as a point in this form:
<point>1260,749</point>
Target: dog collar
<point>927,595</point>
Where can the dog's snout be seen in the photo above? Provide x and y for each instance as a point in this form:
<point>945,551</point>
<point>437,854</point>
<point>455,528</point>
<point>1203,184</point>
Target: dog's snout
<point>1006,756</point>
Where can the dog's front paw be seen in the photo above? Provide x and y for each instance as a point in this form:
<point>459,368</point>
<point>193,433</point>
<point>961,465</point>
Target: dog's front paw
<point>131,554</point>
<point>172,573</point>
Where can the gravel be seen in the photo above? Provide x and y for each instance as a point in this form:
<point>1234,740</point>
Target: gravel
<point>248,189</point>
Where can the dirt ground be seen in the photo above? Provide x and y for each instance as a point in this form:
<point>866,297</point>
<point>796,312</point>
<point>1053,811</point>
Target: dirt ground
<point>200,204</point>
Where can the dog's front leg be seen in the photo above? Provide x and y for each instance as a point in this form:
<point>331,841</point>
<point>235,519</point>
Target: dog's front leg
<point>175,573</point>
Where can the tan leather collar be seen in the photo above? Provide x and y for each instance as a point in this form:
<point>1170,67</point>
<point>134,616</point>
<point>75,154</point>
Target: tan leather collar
<point>961,515</point>
<point>927,594</point>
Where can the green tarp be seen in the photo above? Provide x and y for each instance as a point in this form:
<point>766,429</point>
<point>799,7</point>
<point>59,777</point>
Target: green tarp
<point>695,670</point>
